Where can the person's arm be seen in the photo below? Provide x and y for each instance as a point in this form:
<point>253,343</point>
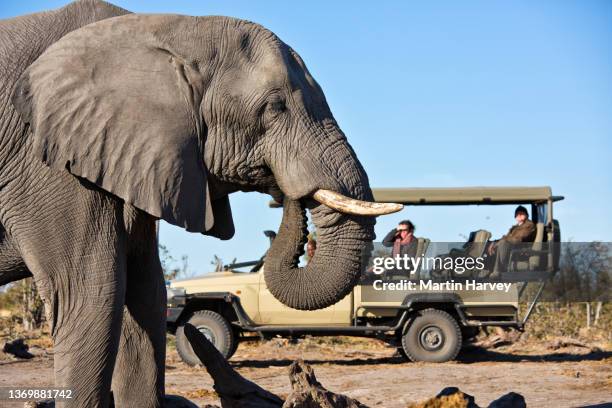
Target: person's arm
<point>389,239</point>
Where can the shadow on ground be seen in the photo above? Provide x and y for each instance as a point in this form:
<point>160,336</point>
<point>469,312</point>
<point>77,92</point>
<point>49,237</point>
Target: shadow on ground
<point>286,362</point>
<point>478,355</point>
<point>468,356</point>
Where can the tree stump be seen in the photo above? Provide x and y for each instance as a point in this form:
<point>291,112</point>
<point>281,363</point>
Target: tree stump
<point>309,393</point>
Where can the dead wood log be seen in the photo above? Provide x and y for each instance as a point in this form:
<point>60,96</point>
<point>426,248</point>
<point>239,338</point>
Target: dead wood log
<point>509,400</point>
<point>494,341</point>
<point>309,393</point>
<point>499,339</point>
<point>569,342</point>
<point>234,390</point>
<point>18,348</point>
<point>453,397</point>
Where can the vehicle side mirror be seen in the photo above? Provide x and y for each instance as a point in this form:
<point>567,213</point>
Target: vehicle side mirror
<point>270,234</point>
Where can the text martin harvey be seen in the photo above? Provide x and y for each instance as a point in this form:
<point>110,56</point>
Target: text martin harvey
<point>405,284</point>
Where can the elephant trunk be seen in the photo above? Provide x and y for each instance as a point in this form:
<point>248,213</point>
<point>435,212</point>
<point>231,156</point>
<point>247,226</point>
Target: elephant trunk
<point>342,248</point>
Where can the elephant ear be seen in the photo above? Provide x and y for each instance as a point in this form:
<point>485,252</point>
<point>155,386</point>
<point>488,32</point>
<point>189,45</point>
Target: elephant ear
<point>119,108</point>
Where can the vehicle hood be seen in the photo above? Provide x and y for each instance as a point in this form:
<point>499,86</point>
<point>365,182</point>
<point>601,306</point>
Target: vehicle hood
<point>226,281</point>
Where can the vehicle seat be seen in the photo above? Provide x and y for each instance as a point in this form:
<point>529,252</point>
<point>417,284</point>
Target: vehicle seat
<point>477,243</point>
<point>422,245</point>
<point>474,248</point>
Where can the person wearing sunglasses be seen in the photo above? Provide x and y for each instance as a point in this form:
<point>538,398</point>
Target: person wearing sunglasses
<point>402,239</point>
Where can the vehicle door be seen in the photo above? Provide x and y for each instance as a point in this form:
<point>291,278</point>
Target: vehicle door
<point>273,312</point>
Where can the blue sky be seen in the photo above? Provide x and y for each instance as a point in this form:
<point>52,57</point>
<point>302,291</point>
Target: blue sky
<point>441,93</point>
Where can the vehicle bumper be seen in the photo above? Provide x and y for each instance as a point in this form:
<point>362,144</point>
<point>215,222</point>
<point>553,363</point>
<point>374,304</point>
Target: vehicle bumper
<point>173,313</point>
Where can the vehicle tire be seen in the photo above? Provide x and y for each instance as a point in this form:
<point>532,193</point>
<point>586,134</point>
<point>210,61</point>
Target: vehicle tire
<point>236,334</point>
<point>214,327</point>
<point>433,336</point>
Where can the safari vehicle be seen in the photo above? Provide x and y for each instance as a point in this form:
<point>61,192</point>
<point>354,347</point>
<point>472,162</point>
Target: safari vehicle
<point>424,325</point>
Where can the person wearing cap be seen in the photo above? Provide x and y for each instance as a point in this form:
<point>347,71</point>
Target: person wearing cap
<point>523,231</point>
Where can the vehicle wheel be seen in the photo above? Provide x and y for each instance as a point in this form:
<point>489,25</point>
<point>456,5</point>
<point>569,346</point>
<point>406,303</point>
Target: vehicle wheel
<point>236,334</point>
<point>214,327</point>
<point>433,336</point>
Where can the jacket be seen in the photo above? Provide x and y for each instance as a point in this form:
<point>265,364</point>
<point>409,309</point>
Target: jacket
<point>525,232</point>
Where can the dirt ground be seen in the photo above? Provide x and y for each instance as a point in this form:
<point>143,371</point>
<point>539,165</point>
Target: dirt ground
<point>372,373</point>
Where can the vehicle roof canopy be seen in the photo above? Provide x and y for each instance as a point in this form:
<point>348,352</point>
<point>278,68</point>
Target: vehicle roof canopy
<point>465,195</point>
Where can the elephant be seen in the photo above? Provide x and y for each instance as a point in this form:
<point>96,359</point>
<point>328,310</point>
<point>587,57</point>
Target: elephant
<point>111,121</point>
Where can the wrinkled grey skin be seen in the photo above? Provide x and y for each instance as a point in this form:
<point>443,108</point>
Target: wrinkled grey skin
<point>106,127</point>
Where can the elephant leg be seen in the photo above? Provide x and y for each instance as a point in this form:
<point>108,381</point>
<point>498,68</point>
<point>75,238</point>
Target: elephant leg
<point>138,379</point>
<point>86,329</point>
<point>74,242</point>
<point>12,266</point>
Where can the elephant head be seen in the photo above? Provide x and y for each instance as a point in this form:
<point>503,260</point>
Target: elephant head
<point>173,113</point>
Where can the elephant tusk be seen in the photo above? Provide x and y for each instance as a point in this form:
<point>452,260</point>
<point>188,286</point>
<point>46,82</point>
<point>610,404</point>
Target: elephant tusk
<point>348,205</point>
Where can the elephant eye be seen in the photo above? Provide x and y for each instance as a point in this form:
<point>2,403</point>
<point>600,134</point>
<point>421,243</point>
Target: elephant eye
<point>277,106</point>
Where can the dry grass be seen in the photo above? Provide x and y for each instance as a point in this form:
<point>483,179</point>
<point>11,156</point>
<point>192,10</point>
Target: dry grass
<point>195,394</point>
<point>11,329</point>
<point>551,320</point>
